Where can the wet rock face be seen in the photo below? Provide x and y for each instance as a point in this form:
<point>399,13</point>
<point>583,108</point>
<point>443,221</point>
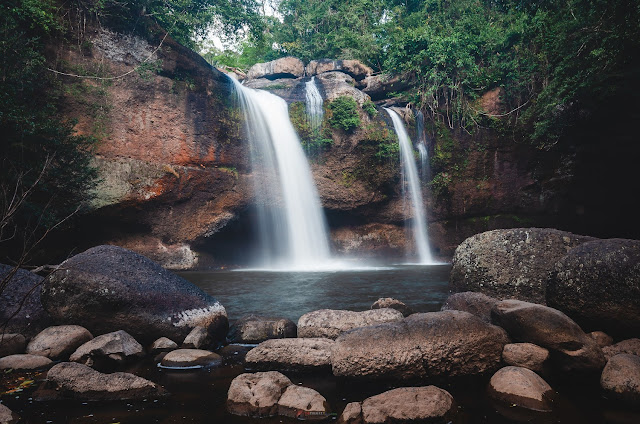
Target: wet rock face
<point>513,263</point>
<point>300,354</point>
<point>547,327</point>
<point>621,379</point>
<point>256,329</point>
<point>330,323</point>
<point>443,344</point>
<point>598,285</point>
<point>286,67</point>
<point>108,288</point>
<point>522,387</point>
<point>58,342</point>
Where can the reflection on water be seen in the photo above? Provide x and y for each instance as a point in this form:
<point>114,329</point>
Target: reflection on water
<point>292,294</point>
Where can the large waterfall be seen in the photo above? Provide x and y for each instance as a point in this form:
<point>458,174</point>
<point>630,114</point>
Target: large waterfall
<point>291,222</point>
<point>410,176</point>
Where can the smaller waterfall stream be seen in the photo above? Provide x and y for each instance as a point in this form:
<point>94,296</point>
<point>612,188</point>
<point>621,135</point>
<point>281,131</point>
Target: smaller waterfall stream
<point>410,174</point>
<point>313,99</point>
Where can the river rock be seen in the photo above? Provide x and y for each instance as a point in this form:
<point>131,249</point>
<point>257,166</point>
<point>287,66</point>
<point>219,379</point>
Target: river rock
<point>330,323</point>
<point>116,347</point>
<point>511,263</point>
<point>302,402</point>
<point>630,346</point>
<point>522,387</point>
<point>352,414</point>
<point>24,362</point>
<point>428,404</point>
<point>28,318</point>
<point>354,68</point>
<point>551,329</point>
<point>478,304</point>
<point>71,380</point>
<point>601,338</point>
<point>256,329</point>
<point>198,338</point>
<point>598,285</point>
<point>10,344</point>
<point>301,354</point>
<point>257,394</point>
<point>59,342</point>
<point>285,67</point>
<point>7,416</point>
<point>390,302</point>
<point>234,353</point>
<point>163,344</point>
<point>620,378</point>
<point>191,358</point>
<point>526,355</point>
<point>108,288</point>
<point>430,345</point>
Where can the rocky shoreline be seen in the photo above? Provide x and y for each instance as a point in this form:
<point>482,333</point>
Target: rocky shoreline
<point>518,354</point>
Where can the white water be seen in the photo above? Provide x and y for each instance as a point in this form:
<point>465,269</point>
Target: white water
<point>292,225</point>
<point>422,147</point>
<point>410,174</point>
<point>313,99</point>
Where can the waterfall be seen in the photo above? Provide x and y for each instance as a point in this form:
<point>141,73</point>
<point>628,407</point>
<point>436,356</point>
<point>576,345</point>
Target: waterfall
<point>422,147</point>
<point>314,104</point>
<point>410,175</point>
<point>292,228</point>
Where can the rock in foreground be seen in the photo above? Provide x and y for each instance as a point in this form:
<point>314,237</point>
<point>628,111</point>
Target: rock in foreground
<point>526,355</point>
<point>108,288</point>
<point>191,358</point>
<point>116,347</point>
<point>300,354</point>
<point>620,379</point>
<point>24,362</point>
<point>7,416</point>
<point>390,302</point>
<point>256,329</point>
<point>630,346</point>
<point>432,345</point>
<point>58,342</point>
<point>522,387</point>
<point>330,323</point>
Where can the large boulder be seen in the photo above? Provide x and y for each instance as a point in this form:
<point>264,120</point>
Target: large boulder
<point>512,263</point>
<point>11,343</point>
<point>598,285</point>
<point>573,350</point>
<point>338,84</point>
<point>430,345</point>
<point>302,403</point>
<point>478,304</point>
<point>620,378</point>
<point>24,362</point>
<point>70,380</point>
<point>311,354</point>
<point>108,288</point>
<point>354,68</point>
<point>285,67</point>
<point>330,323</point>
<point>20,305</point>
<point>117,347</point>
<point>58,342</point>
<point>256,329</point>
<point>522,387</point>
<point>379,86</point>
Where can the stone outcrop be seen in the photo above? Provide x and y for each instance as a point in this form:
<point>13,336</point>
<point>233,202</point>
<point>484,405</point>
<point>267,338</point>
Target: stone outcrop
<point>379,86</point>
<point>620,378</point>
<point>256,329</point>
<point>191,358</point>
<point>117,347</point>
<point>390,302</point>
<point>24,362</point>
<point>551,329</point>
<point>300,354</point>
<point>526,355</point>
<point>445,344</point>
<point>598,285</point>
<point>11,344</point>
<point>337,84</point>
<point>285,67</point>
<point>353,68</point>
<point>477,304</point>
<point>330,323</point>
<point>512,263</point>
<point>522,387</point>
<point>28,318</point>
<point>108,288</point>
<point>58,342</point>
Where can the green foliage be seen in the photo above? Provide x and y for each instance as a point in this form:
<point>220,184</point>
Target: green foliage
<point>146,70</point>
<point>344,113</point>
<point>370,108</point>
<point>440,183</point>
<point>313,139</point>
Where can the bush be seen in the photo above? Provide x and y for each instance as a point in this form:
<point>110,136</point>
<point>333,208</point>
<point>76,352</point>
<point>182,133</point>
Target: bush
<point>344,113</point>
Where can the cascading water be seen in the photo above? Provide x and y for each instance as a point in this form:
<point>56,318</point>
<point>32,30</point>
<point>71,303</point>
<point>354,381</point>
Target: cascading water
<point>313,99</point>
<point>292,225</point>
<point>410,175</point>
<point>422,147</point>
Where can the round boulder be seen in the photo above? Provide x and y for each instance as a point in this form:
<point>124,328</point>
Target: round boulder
<point>390,302</point>
<point>620,379</point>
<point>511,263</point>
<point>256,395</point>
<point>598,285</point>
<point>116,347</point>
<point>409,404</point>
<point>522,387</point>
<point>58,342</point>
<point>312,354</point>
<point>630,346</point>
<point>190,359</point>
<point>526,355</point>
<point>24,362</point>
<point>256,329</point>
<point>163,344</point>
<point>478,304</point>
<point>302,403</point>
<point>330,323</point>
<point>108,288</point>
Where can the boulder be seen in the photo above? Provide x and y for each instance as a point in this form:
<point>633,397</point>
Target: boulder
<point>70,380</point>
<point>291,90</point>
<point>511,263</point>
<point>620,379</point>
<point>522,387</point>
<point>163,344</point>
<point>117,347</point>
<point>330,323</point>
<point>311,354</point>
<point>256,395</point>
<point>337,84</point>
<point>598,285</point>
<point>108,288</point>
<point>428,404</point>
<point>24,362</point>
<point>198,338</point>
<point>526,355</point>
<point>352,414</point>
<point>28,318</point>
<point>478,304</point>
<point>190,358</point>
<point>431,345</point>
<point>630,346</point>
<point>551,329</point>
<point>379,86</point>
<point>11,343</point>
<point>285,67</point>
<point>390,302</point>
<point>601,338</point>
<point>7,416</point>
<point>256,329</point>
<point>58,342</point>
<point>302,403</point>
<point>353,68</point>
